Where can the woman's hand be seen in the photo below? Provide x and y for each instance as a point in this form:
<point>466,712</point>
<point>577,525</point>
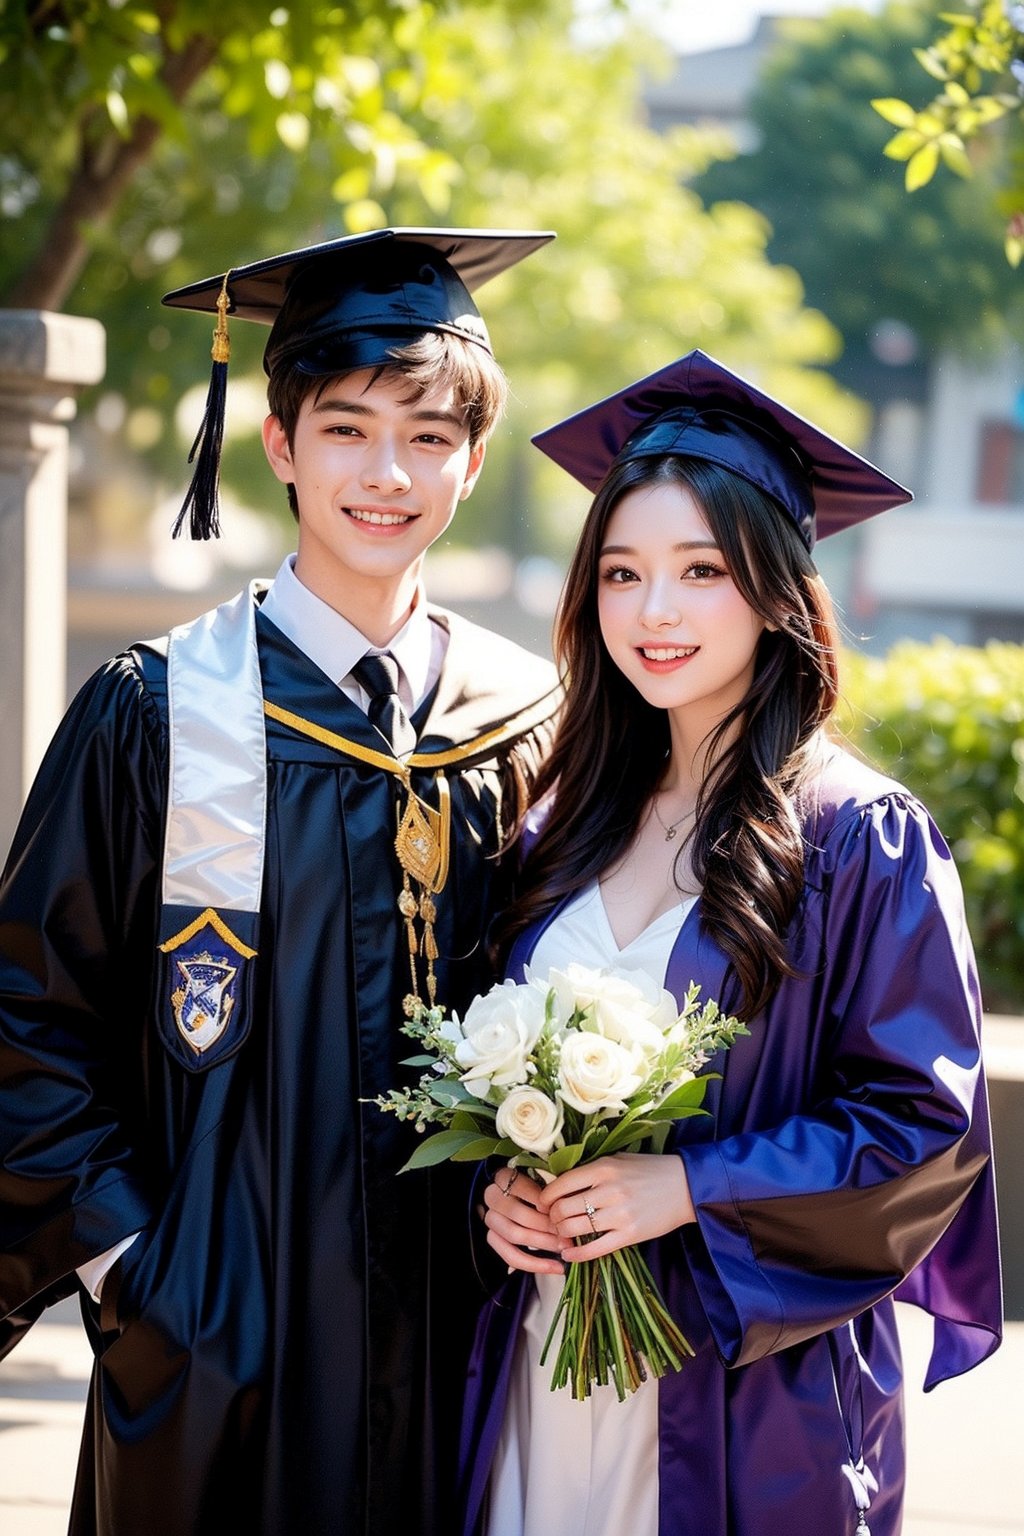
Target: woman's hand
<point>517,1229</point>
<point>631,1196</point>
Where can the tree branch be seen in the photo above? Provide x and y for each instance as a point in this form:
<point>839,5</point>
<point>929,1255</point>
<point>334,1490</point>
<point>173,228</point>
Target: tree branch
<point>105,167</point>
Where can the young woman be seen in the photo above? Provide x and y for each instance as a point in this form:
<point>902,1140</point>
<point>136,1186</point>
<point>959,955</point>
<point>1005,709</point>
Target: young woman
<point>697,821</point>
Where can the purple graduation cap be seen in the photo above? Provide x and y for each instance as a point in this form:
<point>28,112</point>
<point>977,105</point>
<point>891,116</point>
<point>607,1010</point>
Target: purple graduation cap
<point>342,305</point>
<point>698,409</point>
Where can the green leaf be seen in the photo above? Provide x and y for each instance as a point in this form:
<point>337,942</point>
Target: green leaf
<point>687,1097</point>
<point>293,131</point>
<point>469,1120</point>
<point>450,1091</point>
<point>627,1134</point>
<point>988,109</point>
<point>897,112</point>
<point>930,124</point>
<point>476,1151</point>
<point>146,21</point>
<point>921,167</point>
<point>931,63</point>
<point>902,145</point>
<point>564,1158</point>
<point>117,111</point>
<point>439,1148</point>
<point>955,157</point>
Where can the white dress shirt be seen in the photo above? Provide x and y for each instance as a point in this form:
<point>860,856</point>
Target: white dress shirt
<point>336,646</point>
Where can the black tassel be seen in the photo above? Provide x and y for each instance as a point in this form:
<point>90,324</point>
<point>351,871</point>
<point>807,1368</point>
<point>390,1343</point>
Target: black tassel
<point>202,495</point>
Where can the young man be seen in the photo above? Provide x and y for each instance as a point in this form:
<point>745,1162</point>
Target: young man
<point>243,851</point>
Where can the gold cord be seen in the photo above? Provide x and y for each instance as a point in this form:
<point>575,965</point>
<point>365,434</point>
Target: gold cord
<point>221,349</point>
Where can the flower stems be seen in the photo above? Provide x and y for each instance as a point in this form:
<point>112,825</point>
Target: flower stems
<point>615,1326</point>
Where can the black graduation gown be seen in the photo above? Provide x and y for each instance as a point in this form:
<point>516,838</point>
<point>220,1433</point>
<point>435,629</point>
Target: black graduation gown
<point>283,1348</point>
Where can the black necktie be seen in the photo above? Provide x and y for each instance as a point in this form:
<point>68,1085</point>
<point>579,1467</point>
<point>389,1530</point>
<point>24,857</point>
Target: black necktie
<point>378,675</point>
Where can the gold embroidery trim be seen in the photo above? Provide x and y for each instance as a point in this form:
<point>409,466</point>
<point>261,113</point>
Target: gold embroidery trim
<point>219,927</point>
<point>444,759</point>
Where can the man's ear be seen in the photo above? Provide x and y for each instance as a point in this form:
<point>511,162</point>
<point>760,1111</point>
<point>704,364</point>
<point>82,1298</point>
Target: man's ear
<point>278,450</point>
<point>476,462</point>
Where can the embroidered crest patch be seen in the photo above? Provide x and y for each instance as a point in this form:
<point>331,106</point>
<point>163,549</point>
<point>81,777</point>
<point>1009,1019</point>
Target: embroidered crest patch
<point>206,963</point>
<point>203,1003</point>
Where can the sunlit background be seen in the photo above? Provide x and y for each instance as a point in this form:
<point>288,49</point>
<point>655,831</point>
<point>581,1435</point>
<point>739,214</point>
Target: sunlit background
<point>716,179</point>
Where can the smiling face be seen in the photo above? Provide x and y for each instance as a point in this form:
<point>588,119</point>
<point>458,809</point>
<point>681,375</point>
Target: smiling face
<point>377,477</point>
<point>672,619</point>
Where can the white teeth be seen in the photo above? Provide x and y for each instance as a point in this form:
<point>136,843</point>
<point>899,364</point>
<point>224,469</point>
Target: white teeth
<point>386,519</point>
<point>667,653</point>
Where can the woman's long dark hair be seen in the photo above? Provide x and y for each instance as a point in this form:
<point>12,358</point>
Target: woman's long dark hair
<point>609,754</point>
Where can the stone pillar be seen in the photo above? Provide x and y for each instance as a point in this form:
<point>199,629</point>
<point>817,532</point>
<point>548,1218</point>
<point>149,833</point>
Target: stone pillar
<point>45,361</point>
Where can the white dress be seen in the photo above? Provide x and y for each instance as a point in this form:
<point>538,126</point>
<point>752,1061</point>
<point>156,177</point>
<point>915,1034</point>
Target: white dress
<point>562,1467</point>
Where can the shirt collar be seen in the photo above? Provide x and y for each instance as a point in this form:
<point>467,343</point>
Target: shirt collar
<point>334,644</point>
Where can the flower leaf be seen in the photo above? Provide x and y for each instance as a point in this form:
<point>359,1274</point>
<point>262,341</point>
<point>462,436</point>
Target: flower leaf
<point>626,1134</point>
<point>469,1120</point>
<point>439,1148</point>
<point>483,1146</point>
<point>684,1099</point>
<point>449,1091</point>
<point>564,1158</point>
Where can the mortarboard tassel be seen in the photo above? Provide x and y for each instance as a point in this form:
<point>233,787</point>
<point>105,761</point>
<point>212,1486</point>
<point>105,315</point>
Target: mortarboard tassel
<point>202,497</point>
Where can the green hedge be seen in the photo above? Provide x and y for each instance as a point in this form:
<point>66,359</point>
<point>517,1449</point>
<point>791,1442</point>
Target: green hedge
<point>948,720</point>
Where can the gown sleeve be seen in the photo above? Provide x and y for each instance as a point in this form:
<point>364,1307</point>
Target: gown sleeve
<point>76,938</point>
<point>805,1223</point>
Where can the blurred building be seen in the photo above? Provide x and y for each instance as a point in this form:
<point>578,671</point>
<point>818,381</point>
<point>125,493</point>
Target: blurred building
<point>953,562</point>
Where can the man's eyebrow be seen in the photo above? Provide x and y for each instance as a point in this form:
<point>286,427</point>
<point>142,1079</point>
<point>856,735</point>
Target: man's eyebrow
<point>337,403</point>
<point>331,403</point>
<point>454,418</point>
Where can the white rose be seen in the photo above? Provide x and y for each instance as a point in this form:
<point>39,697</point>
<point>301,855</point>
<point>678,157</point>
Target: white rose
<point>628,1006</point>
<point>562,1003</point>
<point>530,1119</point>
<point>499,1032</point>
<point>658,1003</point>
<point>596,1073</point>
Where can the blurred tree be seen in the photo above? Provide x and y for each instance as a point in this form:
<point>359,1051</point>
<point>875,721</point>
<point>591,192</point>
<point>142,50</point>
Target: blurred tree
<point>549,129</point>
<point>479,113</point>
<point>93,87</point>
<point>864,253</point>
<point>980,60</point>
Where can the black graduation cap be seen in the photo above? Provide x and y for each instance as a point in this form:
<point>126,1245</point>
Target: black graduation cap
<point>342,305</point>
<point>699,409</point>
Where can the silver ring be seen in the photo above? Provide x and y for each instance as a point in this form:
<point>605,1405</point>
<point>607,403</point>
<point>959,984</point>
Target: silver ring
<point>511,1180</point>
<point>590,1213</point>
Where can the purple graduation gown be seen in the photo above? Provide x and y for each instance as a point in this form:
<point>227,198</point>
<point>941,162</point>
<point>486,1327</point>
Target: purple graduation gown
<point>846,1160</point>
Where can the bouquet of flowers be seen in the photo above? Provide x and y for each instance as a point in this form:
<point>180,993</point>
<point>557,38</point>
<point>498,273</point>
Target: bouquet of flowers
<point>553,1073</point>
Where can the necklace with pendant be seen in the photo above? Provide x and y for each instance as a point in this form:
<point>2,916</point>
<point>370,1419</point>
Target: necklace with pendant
<point>671,828</point>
